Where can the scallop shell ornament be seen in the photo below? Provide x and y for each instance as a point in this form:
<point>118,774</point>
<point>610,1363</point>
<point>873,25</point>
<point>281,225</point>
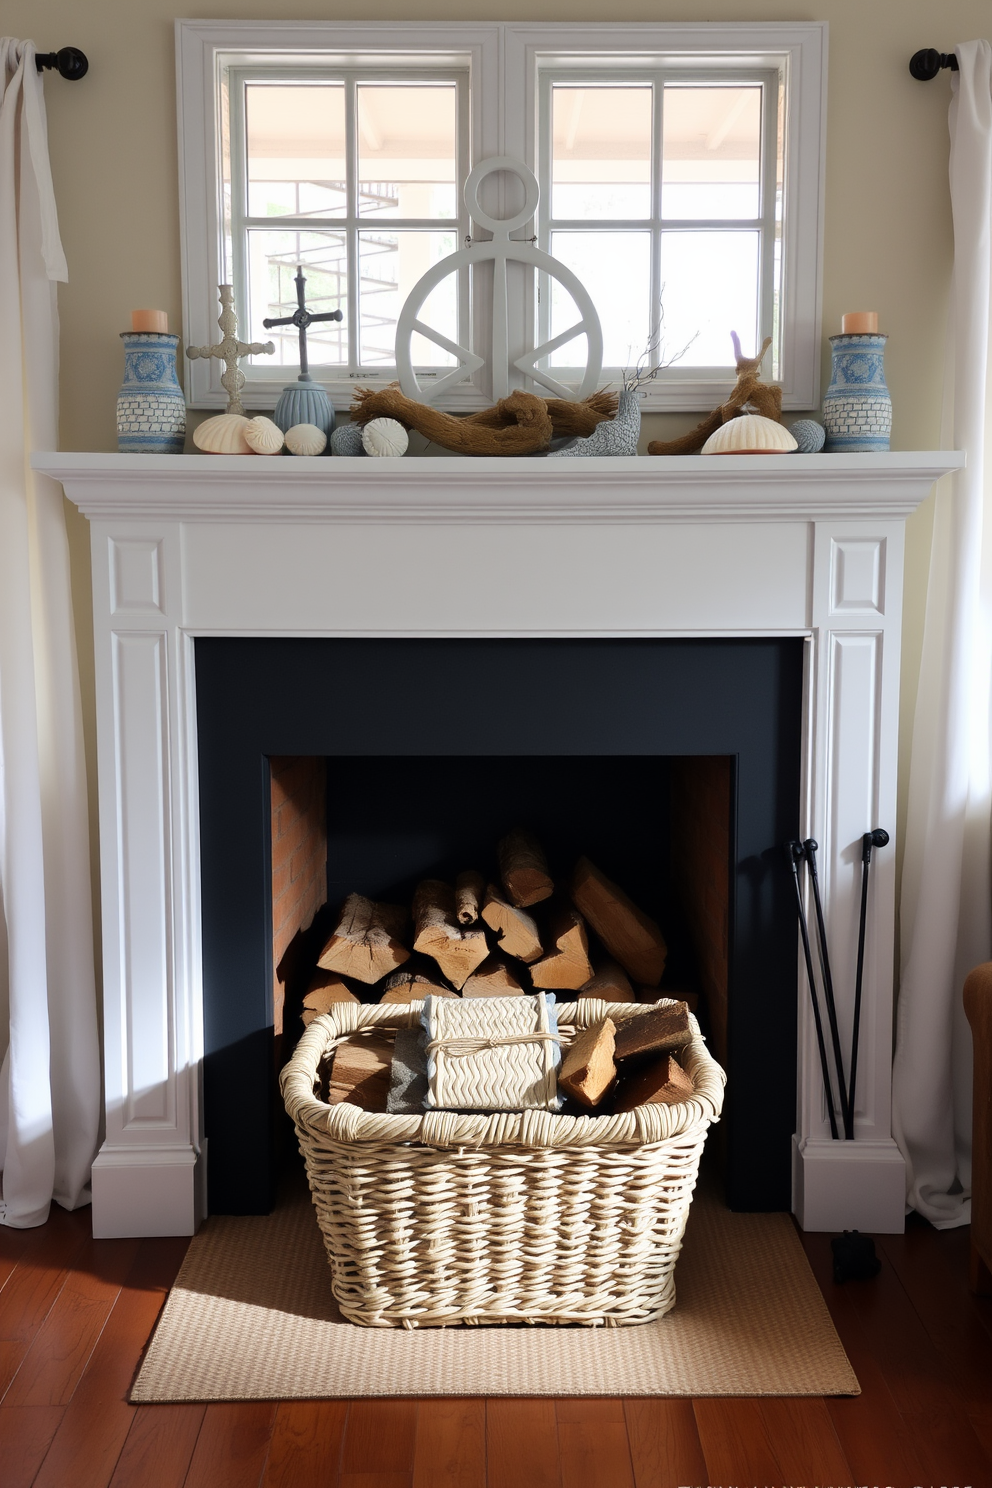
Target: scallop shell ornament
<point>750,435</point>
<point>223,435</point>
<point>385,436</point>
<point>264,436</point>
<point>306,439</point>
<point>810,436</point>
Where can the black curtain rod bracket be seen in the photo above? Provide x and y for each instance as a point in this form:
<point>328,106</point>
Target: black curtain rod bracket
<point>926,64</point>
<point>69,62</point>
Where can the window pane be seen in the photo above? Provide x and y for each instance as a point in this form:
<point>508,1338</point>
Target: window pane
<point>711,152</point>
<point>601,152</point>
<point>296,150</point>
<point>273,258</point>
<point>616,270</point>
<point>390,263</point>
<point>406,151</point>
<point>710,288</point>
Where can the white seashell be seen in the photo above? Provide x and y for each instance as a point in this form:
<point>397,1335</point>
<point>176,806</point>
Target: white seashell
<point>223,435</point>
<point>264,436</point>
<point>385,436</point>
<point>306,439</point>
<point>750,435</point>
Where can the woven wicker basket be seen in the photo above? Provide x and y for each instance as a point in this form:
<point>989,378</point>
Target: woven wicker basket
<point>513,1217</point>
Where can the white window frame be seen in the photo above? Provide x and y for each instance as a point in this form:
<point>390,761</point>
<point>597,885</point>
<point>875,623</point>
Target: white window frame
<point>505,64</point>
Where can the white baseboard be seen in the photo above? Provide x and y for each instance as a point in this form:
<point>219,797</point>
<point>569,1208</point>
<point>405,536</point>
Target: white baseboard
<point>147,1191</point>
<point>849,1186</point>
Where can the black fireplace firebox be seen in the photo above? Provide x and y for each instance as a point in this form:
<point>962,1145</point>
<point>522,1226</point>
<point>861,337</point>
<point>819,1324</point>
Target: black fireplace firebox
<point>433,748</point>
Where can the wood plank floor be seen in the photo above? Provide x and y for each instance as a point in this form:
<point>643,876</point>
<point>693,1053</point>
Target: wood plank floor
<point>76,1313</point>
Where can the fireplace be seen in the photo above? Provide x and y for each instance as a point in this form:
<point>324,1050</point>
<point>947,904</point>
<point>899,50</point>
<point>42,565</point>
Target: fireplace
<point>436,748</point>
<point>800,554</point>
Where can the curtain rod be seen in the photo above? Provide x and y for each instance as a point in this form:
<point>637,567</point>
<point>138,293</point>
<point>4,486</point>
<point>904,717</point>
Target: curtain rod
<point>926,64</point>
<point>69,62</point>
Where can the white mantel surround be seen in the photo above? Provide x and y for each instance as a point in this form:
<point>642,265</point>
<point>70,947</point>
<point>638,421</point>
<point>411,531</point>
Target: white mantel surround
<point>186,546</point>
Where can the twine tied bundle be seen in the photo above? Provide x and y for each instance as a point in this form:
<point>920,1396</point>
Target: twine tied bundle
<point>492,1053</point>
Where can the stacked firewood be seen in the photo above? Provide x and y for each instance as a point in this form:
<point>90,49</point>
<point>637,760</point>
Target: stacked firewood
<point>524,933</point>
<point>479,939</point>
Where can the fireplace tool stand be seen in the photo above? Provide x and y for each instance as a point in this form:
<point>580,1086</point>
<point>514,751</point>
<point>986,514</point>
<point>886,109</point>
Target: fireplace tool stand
<point>798,852</point>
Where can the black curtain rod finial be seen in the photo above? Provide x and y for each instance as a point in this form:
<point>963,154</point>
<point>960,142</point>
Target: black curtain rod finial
<point>926,64</point>
<point>69,62</point>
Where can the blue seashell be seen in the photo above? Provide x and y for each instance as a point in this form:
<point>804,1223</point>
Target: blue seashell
<point>347,440</point>
<point>809,436</point>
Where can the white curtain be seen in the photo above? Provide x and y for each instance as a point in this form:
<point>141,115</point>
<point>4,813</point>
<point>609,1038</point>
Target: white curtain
<point>946,903</point>
<point>50,1076</point>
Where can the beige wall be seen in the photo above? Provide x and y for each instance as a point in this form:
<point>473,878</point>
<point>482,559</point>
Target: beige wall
<point>888,239</point>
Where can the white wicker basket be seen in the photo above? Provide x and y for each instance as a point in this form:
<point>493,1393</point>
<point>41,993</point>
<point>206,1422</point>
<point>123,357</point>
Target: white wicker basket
<point>513,1217</point>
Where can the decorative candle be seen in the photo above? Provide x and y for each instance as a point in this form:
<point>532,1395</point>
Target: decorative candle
<point>859,323</point>
<point>150,320</point>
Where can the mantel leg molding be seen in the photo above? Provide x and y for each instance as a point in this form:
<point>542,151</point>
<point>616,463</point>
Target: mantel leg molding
<point>853,728</point>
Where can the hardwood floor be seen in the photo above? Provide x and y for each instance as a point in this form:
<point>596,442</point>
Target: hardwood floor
<point>76,1313</point>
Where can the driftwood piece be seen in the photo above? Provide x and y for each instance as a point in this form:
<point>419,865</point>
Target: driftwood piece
<point>664,1082</point>
<point>516,930</point>
<point>587,1068</point>
<point>749,392</point>
<point>656,1032</point>
<point>457,949</point>
<point>366,942</point>
<point>610,982</point>
<point>360,1072</point>
<point>521,424</point>
<point>494,978</point>
<point>629,935</point>
<point>326,988</point>
<point>567,963</point>
<point>470,889</point>
<point>524,868</point>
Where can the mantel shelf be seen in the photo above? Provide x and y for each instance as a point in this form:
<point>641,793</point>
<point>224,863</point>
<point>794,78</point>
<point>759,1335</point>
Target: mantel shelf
<point>456,489</point>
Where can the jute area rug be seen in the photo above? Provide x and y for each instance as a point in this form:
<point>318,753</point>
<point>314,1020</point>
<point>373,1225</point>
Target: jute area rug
<point>251,1317</point>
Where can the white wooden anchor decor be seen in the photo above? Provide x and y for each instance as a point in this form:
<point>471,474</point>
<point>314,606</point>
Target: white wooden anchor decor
<point>501,250</point>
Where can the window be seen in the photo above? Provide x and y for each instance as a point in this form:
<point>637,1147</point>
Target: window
<point>681,181</point>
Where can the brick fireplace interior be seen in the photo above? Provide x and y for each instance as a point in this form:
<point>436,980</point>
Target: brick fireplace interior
<point>337,765</point>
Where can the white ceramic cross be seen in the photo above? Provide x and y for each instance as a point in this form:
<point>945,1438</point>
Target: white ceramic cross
<point>230,350</point>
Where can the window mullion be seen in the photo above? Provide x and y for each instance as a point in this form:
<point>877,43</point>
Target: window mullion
<point>351,219</point>
<point>657,139</point>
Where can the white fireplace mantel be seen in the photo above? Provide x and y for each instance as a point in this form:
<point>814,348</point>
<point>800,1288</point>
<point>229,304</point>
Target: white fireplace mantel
<point>184,546</point>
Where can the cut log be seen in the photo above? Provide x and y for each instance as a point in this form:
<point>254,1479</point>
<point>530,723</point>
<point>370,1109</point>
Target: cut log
<point>629,935</point>
<point>566,964</point>
<point>515,928</point>
<point>470,887</point>
<point>494,978</point>
<point>610,982</point>
<point>524,869</point>
<point>360,1071</point>
<point>664,1082</point>
<point>366,943</point>
<point>662,1029</point>
<point>457,949</point>
<point>413,981</point>
<point>587,1069</point>
<point>652,994</point>
<point>325,989</point>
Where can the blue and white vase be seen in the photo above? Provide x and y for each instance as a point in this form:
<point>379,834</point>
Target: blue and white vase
<point>304,402</point>
<point>857,409</point>
<point>151,409</point>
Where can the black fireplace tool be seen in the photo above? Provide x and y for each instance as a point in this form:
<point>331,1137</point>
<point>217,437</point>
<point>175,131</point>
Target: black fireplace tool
<point>877,838</point>
<point>809,851</point>
<point>796,852</point>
